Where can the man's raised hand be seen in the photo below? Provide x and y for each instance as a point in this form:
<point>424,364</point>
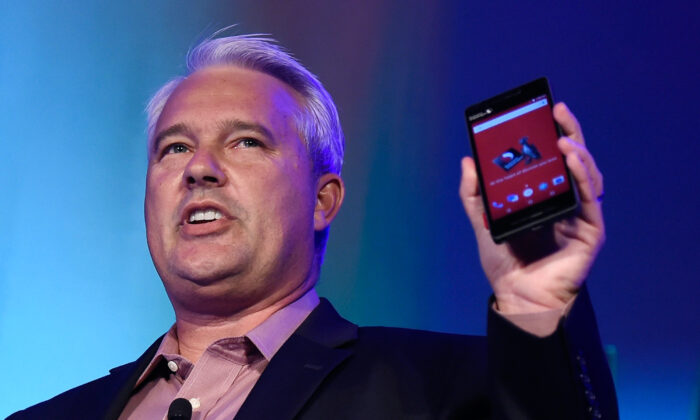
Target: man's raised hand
<point>543,269</point>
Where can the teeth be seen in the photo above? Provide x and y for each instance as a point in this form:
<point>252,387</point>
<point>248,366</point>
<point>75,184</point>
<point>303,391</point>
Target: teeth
<point>206,215</point>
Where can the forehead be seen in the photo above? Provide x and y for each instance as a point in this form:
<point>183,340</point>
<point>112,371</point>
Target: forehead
<point>218,93</point>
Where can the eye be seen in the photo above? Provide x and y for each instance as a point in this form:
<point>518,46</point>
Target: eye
<point>247,142</point>
<point>175,148</point>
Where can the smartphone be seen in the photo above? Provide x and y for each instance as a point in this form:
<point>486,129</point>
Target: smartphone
<point>523,176</point>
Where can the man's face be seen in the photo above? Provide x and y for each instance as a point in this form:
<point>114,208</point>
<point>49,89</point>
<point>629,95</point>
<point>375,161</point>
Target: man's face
<point>230,193</point>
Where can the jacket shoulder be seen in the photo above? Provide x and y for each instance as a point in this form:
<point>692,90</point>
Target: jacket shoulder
<point>431,354</point>
<point>102,398</point>
<point>86,401</point>
<point>401,373</point>
<point>419,343</point>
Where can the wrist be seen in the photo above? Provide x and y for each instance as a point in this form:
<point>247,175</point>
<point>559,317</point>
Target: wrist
<point>512,304</point>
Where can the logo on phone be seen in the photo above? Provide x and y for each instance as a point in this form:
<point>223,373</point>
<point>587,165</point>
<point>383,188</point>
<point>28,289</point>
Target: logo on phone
<point>508,159</point>
<point>558,180</point>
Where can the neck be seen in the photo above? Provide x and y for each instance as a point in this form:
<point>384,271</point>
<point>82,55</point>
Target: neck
<point>198,330</point>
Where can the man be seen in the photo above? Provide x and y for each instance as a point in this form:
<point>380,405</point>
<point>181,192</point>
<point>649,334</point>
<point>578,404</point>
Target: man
<point>244,159</point>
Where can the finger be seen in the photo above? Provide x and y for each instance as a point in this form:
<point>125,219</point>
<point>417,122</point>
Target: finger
<point>471,197</point>
<point>469,186</point>
<point>568,122</point>
<point>567,146</point>
<point>590,206</point>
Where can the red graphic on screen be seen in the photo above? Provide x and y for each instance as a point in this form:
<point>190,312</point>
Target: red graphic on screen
<point>520,161</point>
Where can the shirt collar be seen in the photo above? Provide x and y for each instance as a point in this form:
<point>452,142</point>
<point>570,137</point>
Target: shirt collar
<point>268,337</point>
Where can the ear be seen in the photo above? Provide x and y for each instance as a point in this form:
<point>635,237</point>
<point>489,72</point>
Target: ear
<point>330,192</point>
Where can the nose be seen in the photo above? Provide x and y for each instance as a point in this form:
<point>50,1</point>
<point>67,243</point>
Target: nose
<point>204,171</point>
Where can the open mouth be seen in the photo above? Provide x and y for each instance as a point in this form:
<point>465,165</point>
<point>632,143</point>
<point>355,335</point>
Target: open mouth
<point>200,216</point>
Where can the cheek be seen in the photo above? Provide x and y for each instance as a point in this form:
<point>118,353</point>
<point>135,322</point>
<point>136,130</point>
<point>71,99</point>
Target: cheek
<point>153,224</point>
<point>159,202</point>
<point>151,202</point>
<point>299,202</point>
<point>288,197</point>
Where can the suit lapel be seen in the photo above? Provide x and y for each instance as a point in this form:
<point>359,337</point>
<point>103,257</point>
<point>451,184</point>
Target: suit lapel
<point>300,365</point>
<point>123,379</point>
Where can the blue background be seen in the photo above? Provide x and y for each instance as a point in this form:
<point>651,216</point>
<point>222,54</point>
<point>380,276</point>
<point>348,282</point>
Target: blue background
<point>78,292</point>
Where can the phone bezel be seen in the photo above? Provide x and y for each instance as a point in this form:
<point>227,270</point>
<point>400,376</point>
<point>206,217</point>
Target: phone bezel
<point>537,214</point>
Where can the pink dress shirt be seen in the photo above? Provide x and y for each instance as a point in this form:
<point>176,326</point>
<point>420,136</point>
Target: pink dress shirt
<point>224,375</point>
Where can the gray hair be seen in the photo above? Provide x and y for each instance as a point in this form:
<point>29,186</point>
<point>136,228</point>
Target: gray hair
<point>318,125</point>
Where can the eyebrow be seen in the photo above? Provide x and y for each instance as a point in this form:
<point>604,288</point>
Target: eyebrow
<point>173,130</point>
<point>231,126</point>
<point>224,127</point>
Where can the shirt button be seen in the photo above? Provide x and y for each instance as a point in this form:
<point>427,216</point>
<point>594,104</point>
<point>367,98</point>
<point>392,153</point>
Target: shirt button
<point>172,366</point>
<point>195,403</point>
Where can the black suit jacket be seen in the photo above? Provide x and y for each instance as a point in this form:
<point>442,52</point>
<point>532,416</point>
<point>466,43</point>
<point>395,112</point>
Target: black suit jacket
<point>332,369</point>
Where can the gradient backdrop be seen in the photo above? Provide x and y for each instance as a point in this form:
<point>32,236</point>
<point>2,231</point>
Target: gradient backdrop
<point>78,292</point>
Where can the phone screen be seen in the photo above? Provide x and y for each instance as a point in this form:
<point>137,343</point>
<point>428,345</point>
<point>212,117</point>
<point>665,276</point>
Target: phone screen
<point>523,177</point>
<point>520,162</point>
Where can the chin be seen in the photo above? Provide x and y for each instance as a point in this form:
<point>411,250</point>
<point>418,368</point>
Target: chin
<point>204,272</point>
<point>207,264</point>
<point>208,290</point>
